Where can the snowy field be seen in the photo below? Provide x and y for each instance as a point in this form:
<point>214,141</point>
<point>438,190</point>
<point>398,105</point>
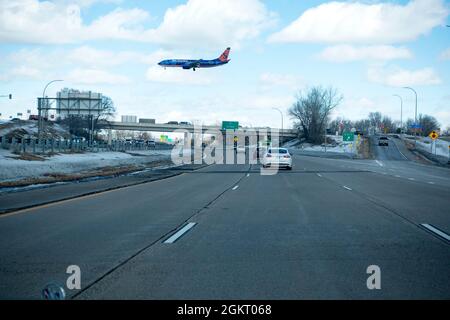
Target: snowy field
<point>30,128</point>
<point>13,169</point>
<point>340,147</point>
<point>439,147</point>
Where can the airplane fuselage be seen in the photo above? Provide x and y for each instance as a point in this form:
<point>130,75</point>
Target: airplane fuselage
<point>188,64</point>
<point>199,63</point>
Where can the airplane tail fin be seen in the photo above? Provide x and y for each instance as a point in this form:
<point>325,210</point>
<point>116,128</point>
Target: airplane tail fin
<point>224,56</point>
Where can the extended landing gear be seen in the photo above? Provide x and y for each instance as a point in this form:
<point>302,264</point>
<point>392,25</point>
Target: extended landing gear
<point>193,69</point>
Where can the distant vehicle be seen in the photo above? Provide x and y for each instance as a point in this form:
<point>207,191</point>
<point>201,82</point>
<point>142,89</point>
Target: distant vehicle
<point>172,122</point>
<point>278,157</point>
<point>147,120</point>
<point>36,117</point>
<point>383,141</point>
<point>200,63</point>
<point>151,143</point>
<point>15,119</point>
<point>185,123</point>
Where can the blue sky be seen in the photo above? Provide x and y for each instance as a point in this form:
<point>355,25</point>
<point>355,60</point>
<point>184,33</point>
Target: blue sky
<point>368,50</point>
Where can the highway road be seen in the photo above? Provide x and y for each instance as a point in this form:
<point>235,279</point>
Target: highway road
<point>309,233</point>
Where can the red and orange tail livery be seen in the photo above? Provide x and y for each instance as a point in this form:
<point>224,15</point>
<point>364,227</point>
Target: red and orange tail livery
<point>224,56</point>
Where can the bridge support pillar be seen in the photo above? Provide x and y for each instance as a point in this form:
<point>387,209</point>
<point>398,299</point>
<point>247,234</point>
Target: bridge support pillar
<point>109,137</point>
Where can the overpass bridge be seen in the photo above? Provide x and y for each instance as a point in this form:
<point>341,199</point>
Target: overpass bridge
<point>164,127</point>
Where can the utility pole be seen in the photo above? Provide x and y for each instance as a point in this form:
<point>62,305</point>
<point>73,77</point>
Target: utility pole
<point>415,115</point>
<point>40,105</point>
<point>401,112</point>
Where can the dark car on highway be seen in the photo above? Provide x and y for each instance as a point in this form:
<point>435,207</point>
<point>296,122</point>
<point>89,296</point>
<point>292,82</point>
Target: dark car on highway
<point>383,141</point>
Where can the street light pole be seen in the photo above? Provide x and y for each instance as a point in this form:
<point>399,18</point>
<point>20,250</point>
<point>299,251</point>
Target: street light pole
<point>401,112</point>
<point>415,114</point>
<point>40,122</point>
<point>282,122</point>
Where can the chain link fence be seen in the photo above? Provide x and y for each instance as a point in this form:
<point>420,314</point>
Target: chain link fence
<point>49,146</point>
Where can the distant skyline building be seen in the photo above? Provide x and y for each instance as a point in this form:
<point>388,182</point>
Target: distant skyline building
<point>129,119</point>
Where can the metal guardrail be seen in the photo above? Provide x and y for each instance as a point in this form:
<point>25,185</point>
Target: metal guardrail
<point>45,146</point>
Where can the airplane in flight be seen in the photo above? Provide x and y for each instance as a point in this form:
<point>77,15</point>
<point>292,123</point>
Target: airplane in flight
<point>193,64</point>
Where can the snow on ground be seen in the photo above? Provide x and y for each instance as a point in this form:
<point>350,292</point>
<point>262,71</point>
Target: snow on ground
<point>339,147</point>
<point>21,127</point>
<point>342,148</point>
<point>291,143</point>
<point>439,147</point>
<point>12,169</point>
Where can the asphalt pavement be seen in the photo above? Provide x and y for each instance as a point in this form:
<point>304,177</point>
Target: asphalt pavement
<point>309,233</point>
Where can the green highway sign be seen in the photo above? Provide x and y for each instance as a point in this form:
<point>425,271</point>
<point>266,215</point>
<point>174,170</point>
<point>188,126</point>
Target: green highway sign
<point>230,125</point>
<point>348,136</point>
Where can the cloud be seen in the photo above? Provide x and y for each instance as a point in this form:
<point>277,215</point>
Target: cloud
<point>355,108</point>
<point>39,63</point>
<point>397,77</point>
<point>445,55</point>
<point>90,56</point>
<point>95,76</point>
<point>32,21</point>
<point>177,76</point>
<point>206,23</point>
<point>25,71</point>
<point>212,23</point>
<point>358,22</point>
<point>26,64</point>
<point>285,80</point>
<point>347,53</point>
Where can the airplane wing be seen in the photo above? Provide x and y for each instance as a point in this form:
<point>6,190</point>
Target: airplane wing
<point>192,64</point>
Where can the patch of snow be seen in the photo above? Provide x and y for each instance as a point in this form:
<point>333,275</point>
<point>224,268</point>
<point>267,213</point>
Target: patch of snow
<point>13,169</point>
<point>339,146</point>
<point>438,147</point>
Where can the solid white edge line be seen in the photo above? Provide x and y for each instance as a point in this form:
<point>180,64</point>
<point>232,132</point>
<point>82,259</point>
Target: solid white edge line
<point>319,175</point>
<point>400,151</point>
<point>180,232</point>
<point>347,188</point>
<point>248,174</point>
<point>235,187</point>
<point>436,231</point>
<point>379,163</point>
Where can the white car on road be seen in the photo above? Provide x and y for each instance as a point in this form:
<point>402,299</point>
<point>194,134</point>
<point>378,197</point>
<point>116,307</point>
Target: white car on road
<point>277,157</point>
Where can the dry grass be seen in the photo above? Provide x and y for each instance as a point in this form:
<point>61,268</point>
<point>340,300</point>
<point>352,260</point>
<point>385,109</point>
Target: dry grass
<point>29,157</point>
<point>364,150</point>
<point>98,172</point>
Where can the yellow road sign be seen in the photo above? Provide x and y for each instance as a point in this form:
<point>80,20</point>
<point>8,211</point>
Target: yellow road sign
<point>433,135</point>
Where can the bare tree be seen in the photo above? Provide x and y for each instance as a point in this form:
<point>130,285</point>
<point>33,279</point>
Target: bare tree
<point>375,119</point>
<point>362,125</point>
<point>428,124</point>
<point>387,124</point>
<point>107,111</point>
<point>312,109</point>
